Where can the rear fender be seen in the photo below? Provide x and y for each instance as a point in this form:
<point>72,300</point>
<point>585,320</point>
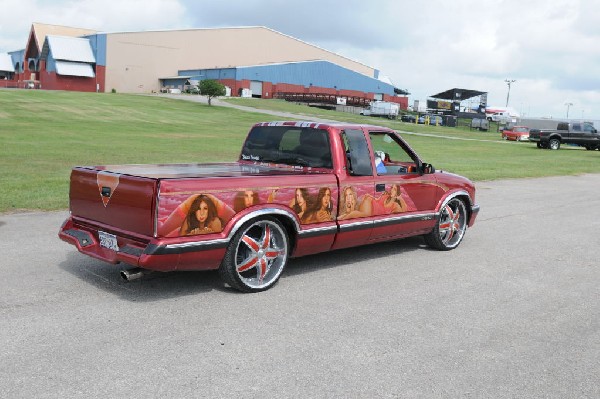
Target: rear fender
<point>555,136</point>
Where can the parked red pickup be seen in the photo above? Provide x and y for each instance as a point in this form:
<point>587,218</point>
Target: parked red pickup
<point>298,188</point>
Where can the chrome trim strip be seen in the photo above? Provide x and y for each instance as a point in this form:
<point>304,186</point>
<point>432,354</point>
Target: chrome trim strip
<point>356,225</point>
<point>415,217</point>
<point>418,217</point>
<point>317,231</point>
<point>195,244</point>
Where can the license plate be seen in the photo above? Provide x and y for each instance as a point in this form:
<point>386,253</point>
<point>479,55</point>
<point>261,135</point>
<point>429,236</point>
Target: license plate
<point>108,240</point>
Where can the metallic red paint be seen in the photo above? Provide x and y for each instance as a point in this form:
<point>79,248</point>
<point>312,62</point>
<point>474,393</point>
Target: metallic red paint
<point>146,207</point>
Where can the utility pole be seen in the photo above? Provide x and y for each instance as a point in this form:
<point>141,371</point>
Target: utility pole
<point>508,82</point>
<point>568,106</point>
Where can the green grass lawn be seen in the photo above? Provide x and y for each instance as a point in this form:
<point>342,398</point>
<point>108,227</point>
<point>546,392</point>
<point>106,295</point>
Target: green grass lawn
<point>43,134</point>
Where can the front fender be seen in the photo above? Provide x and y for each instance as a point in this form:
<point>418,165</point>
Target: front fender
<point>472,208</point>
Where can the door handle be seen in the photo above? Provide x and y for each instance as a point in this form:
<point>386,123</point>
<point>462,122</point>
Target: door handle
<point>380,187</point>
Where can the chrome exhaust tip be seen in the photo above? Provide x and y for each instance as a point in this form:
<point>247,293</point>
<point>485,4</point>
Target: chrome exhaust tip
<point>132,274</point>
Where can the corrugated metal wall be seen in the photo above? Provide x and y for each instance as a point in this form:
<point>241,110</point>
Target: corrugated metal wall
<point>307,74</point>
<point>314,73</point>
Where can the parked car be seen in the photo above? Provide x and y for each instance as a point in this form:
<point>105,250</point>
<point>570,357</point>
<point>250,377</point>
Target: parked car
<point>298,188</point>
<point>193,90</point>
<point>516,133</point>
<point>431,120</point>
<point>408,118</point>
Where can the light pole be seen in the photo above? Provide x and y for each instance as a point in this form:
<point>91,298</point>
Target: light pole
<point>508,82</point>
<point>568,106</point>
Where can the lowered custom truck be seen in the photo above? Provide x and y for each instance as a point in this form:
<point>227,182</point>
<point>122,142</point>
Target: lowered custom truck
<point>583,134</point>
<point>298,188</point>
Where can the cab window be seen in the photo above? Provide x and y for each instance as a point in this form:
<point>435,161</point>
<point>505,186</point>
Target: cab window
<point>358,160</point>
<point>391,156</point>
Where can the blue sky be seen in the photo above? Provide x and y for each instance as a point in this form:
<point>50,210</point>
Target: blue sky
<point>550,47</point>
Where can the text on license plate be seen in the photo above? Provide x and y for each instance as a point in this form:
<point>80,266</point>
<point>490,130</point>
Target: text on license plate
<point>108,240</point>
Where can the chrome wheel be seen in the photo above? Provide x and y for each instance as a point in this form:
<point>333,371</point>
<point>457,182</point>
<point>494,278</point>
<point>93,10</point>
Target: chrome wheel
<point>256,256</point>
<point>451,226</point>
<point>554,144</point>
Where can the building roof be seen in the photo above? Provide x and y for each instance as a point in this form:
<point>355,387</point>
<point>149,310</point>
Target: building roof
<point>6,64</point>
<point>68,49</point>
<point>458,94</point>
<point>74,69</point>
<point>43,30</point>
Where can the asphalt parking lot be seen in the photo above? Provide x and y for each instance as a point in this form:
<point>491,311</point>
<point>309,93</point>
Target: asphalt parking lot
<point>513,312</point>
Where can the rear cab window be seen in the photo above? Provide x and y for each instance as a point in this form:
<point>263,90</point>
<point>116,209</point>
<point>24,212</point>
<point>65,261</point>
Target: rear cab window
<point>289,145</point>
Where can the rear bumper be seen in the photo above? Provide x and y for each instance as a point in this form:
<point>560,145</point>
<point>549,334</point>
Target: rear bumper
<point>144,252</point>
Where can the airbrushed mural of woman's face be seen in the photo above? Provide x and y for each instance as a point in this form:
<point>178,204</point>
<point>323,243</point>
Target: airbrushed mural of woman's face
<point>202,212</point>
<point>248,198</point>
<point>350,204</point>
<point>300,199</point>
<point>326,199</point>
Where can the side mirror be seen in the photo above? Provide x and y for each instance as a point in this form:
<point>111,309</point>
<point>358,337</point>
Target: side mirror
<point>427,168</point>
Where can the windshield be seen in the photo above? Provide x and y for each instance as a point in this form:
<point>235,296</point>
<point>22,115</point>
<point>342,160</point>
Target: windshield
<point>290,145</point>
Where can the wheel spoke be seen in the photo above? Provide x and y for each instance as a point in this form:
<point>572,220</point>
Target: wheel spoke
<point>248,263</point>
<point>264,267</point>
<point>251,243</point>
<point>450,212</point>
<point>266,240</point>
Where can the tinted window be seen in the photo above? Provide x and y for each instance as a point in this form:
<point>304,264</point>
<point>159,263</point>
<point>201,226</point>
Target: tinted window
<point>357,153</point>
<point>290,145</point>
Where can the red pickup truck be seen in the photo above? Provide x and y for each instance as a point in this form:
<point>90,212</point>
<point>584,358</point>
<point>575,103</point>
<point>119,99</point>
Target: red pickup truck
<point>298,188</point>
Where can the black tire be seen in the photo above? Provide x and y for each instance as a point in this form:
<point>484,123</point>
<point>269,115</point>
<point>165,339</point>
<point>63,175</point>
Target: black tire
<point>554,144</point>
<point>256,255</point>
<point>450,228</point>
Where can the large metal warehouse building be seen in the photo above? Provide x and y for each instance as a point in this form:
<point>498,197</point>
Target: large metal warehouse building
<point>261,60</point>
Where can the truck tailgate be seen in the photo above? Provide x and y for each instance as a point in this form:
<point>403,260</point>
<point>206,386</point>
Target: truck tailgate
<point>121,201</point>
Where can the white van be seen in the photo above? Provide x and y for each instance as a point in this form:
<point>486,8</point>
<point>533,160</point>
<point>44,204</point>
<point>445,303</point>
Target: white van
<point>503,117</point>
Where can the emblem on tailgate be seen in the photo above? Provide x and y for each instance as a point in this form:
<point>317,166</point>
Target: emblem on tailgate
<point>107,184</point>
